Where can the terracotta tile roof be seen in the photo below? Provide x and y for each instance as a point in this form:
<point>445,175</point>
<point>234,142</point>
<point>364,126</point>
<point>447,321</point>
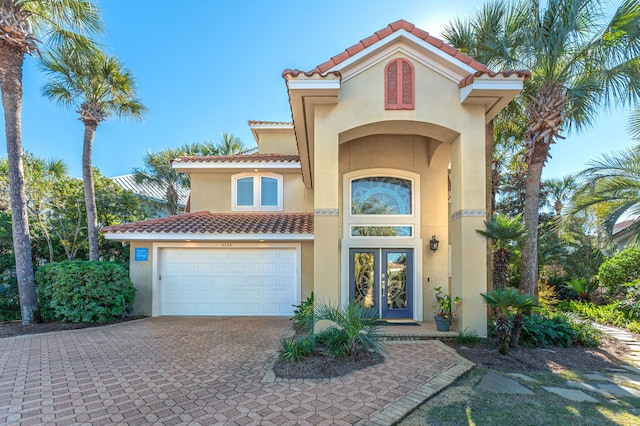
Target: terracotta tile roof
<point>471,77</point>
<point>221,223</point>
<point>387,31</point>
<point>621,226</point>
<point>269,123</point>
<point>242,158</point>
<point>481,69</point>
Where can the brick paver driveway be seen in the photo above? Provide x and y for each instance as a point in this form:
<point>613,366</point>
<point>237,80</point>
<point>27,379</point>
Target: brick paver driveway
<point>196,371</point>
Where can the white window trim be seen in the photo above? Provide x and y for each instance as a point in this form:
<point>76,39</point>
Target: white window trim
<point>257,193</point>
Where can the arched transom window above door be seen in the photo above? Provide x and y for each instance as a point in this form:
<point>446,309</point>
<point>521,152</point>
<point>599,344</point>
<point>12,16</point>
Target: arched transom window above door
<point>399,88</point>
<point>381,195</point>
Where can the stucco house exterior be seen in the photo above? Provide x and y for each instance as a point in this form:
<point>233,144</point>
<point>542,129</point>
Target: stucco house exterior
<point>385,152</point>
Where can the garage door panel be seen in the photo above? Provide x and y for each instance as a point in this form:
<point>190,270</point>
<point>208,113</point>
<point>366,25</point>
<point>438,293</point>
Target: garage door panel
<point>243,281</point>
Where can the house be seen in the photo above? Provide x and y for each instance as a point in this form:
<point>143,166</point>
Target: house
<point>152,196</point>
<point>624,234</point>
<point>385,153</point>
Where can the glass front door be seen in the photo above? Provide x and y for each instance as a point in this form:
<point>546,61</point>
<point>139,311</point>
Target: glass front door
<point>382,280</point>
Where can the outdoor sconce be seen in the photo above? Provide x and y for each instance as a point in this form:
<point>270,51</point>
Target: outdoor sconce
<point>433,244</point>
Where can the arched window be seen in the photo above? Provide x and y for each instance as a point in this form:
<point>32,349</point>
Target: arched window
<point>256,192</point>
<point>399,92</point>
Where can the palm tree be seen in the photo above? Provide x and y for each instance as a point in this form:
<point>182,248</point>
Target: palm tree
<point>27,25</point>
<point>559,192</point>
<point>612,183</point>
<point>229,145</point>
<point>502,231</point>
<point>98,87</point>
<point>580,61</point>
<point>157,170</point>
<point>505,301</point>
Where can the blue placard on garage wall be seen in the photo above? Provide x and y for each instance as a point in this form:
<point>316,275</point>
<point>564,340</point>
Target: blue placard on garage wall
<point>141,254</point>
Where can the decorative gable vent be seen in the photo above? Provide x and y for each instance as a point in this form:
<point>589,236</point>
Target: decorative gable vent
<point>399,84</point>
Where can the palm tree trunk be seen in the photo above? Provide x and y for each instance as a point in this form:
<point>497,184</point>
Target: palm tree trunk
<point>529,277</point>
<point>89,191</point>
<point>11,62</point>
<point>490,194</point>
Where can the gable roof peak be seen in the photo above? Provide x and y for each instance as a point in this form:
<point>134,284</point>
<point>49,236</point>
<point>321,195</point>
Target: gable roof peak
<point>386,32</point>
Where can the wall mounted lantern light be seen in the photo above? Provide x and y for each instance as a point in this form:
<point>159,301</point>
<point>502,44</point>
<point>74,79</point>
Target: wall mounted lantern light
<point>433,244</point>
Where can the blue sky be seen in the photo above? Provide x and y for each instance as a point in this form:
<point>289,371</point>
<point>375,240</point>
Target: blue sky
<point>205,67</point>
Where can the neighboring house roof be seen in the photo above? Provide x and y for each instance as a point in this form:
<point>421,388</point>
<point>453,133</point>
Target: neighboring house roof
<point>251,158</point>
<point>150,190</point>
<point>621,226</point>
<point>204,222</point>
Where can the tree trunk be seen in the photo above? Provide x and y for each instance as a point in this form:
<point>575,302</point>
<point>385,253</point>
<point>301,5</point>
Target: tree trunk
<point>11,83</point>
<point>89,191</point>
<point>490,194</point>
<point>529,277</point>
<point>545,116</point>
<point>172,199</point>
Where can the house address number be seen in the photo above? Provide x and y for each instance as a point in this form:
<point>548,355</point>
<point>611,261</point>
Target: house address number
<point>226,245</point>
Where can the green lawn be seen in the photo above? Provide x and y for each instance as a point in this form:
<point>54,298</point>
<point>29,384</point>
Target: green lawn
<point>463,404</point>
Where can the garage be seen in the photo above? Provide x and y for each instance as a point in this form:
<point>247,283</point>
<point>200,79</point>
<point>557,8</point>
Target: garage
<point>228,281</point>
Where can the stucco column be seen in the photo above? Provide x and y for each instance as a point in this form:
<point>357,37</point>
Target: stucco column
<point>468,250</point>
<point>326,261</point>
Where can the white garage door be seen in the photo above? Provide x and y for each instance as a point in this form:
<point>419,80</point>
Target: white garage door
<point>238,281</point>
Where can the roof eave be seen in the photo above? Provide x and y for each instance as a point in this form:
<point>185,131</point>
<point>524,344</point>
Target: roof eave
<point>494,93</point>
<point>306,90</point>
<point>187,236</point>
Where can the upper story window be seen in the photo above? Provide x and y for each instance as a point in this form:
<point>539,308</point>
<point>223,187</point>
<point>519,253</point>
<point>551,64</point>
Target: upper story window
<point>256,192</point>
<point>398,78</point>
<point>381,195</point>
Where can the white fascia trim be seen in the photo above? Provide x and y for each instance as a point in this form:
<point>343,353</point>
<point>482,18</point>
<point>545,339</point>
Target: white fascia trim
<point>264,126</point>
<point>313,84</point>
<point>158,236</point>
<point>236,165</point>
<point>506,85</point>
<point>399,34</point>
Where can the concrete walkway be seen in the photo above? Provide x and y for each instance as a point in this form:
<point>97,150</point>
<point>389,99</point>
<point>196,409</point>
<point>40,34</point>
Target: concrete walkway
<point>204,371</point>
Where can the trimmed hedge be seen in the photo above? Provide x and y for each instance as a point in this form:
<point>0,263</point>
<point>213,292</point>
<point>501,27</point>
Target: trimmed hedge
<point>83,291</point>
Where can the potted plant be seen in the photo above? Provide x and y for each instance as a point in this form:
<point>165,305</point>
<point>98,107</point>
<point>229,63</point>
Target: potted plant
<point>445,309</point>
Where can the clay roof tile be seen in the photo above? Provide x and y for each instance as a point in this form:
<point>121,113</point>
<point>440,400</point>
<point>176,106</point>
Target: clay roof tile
<point>221,223</point>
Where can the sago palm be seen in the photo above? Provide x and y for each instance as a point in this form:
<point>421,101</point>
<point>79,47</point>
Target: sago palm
<point>580,61</point>
<point>26,27</point>
<point>503,301</point>
<point>502,231</point>
<point>97,87</point>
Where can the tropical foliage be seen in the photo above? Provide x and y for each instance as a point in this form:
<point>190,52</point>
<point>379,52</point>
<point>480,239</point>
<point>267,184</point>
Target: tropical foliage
<point>620,269</point>
<point>503,232</point>
<point>507,301</point>
<point>612,184</point>
<point>580,60</point>
<point>27,27</point>
<point>97,87</point>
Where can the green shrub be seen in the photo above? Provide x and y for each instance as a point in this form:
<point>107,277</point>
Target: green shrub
<point>612,314</point>
<point>303,315</point>
<point>631,302</point>
<point>296,349</point>
<point>82,291</point>
<point>557,329</point>
<point>467,336</point>
<point>620,269</point>
<point>9,298</point>
<point>359,325</point>
<point>336,342</point>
